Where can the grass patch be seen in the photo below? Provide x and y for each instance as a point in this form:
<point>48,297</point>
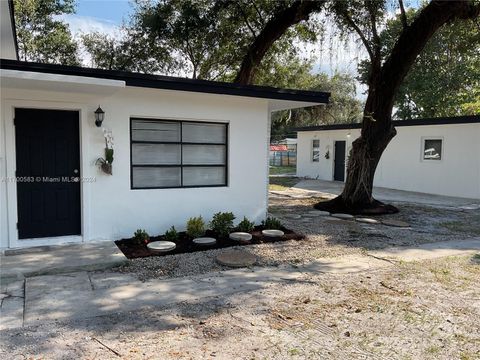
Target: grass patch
<point>282,183</point>
<point>276,170</point>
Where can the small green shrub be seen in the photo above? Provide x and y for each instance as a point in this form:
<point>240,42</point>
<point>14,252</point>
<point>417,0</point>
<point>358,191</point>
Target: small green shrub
<point>222,223</point>
<point>272,224</point>
<point>245,225</point>
<point>141,236</point>
<point>171,234</point>
<point>195,227</point>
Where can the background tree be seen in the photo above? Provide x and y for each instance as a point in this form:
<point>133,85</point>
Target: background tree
<point>201,39</point>
<point>133,53</point>
<point>444,77</point>
<point>41,36</point>
<point>344,106</point>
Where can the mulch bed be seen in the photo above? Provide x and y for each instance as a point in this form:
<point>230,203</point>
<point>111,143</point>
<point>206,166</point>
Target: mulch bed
<point>132,249</point>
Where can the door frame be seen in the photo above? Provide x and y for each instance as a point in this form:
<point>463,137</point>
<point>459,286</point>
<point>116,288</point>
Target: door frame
<point>333,162</point>
<point>11,188</point>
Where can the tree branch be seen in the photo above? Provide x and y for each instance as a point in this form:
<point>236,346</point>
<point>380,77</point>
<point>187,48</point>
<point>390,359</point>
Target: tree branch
<point>373,27</point>
<point>413,39</point>
<point>260,17</point>
<point>410,43</point>
<point>276,27</point>
<point>245,18</point>
<point>403,14</point>
<point>360,33</point>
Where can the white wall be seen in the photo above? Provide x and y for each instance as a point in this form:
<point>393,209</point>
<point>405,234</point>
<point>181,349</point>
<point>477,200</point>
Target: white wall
<point>110,209</point>
<point>323,169</point>
<point>401,166</point>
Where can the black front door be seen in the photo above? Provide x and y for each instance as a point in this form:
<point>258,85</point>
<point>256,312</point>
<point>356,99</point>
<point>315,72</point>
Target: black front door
<point>48,167</point>
<point>339,167</point>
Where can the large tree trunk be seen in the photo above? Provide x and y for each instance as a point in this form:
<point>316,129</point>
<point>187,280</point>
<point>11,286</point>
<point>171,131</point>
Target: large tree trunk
<point>377,128</point>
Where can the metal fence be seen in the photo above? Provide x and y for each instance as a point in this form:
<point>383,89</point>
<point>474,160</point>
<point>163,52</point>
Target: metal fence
<point>284,158</point>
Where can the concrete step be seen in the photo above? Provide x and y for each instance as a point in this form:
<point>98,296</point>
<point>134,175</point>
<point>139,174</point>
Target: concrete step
<point>18,264</point>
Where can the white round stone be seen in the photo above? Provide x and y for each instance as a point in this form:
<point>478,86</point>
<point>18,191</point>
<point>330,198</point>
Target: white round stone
<point>240,236</point>
<point>161,246</point>
<point>367,220</point>
<point>204,241</point>
<point>342,216</point>
<point>319,213</point>
<point>272,233</point>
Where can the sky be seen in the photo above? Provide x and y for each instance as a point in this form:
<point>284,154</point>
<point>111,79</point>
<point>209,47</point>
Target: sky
<point>107,16</point>
<point>110,11</point>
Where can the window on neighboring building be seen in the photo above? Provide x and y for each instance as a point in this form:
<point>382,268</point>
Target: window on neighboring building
<point>432,149</point>
<point>315,150</point>
<point>171,154</point>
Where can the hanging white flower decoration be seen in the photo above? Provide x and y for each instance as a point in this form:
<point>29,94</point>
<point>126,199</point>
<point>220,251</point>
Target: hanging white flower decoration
<point>107,134</point>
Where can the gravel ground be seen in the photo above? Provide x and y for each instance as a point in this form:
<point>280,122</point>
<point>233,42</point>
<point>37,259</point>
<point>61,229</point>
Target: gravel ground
<point>427,310</point>
<point>326,237</point>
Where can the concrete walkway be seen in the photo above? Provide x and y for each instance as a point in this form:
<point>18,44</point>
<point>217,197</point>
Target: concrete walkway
<point>82,295</point>
<point>16,264</point>
<point>330,189</point>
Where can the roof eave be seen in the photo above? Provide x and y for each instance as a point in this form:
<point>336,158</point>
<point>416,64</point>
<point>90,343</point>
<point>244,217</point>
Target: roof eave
<point>174,83</point>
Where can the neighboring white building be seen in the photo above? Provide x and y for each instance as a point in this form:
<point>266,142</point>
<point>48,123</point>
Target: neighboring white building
<point>179,151</point>
<point>435,156</point>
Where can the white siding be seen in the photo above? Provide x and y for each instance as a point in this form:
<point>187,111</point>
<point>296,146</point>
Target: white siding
<point>402,166</point>
<point>110,209</point>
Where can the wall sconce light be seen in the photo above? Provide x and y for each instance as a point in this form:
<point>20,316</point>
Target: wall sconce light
<point>348,135</point>
<point>99,116</point>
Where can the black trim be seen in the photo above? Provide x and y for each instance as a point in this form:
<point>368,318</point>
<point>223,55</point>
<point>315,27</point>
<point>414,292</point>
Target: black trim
<point>181,165</point>
<point>11,9</point>
<point>467,119</point>
<point>172,83</point>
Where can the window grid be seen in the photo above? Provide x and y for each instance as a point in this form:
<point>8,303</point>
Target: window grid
<point>315,150</point>
<point>181,165</point>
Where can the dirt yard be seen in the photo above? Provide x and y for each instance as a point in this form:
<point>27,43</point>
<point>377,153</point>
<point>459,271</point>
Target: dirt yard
<point>326,237</point>
<point>416,310</point>
<point>428,310</point>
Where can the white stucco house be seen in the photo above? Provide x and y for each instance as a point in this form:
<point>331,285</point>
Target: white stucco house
<point>435,156</point>
<point>179,150</point>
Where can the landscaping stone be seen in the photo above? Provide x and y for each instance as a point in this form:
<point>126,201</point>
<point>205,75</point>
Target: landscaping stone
<point>272,233</point>
<point>470,207</point>
<point>205,241</point>
<point>367,220</point>
<point>240,236</point>
<point>342,216</point>
<point>236,258</point>
<point>395,223</point>
<point>319,213</point>
<point>294,216</point>
<point>161,246</point>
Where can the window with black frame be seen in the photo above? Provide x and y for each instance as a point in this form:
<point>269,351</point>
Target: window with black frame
<point>432,149</point>
<point>315,150</point>
<point>173,154</point>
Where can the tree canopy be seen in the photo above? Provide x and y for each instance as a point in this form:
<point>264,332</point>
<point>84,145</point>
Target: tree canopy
<point>199,39</point>
<point>41,36</point>
<point>445,77</point>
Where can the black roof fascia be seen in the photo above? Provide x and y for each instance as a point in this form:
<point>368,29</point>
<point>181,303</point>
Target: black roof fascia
<point>172,83</point>
<point>11,9</point>
<point>467,119</point>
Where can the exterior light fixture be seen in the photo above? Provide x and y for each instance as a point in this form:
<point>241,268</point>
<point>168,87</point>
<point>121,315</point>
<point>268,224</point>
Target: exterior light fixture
<point>348,135</point>
<point>99,116</point>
